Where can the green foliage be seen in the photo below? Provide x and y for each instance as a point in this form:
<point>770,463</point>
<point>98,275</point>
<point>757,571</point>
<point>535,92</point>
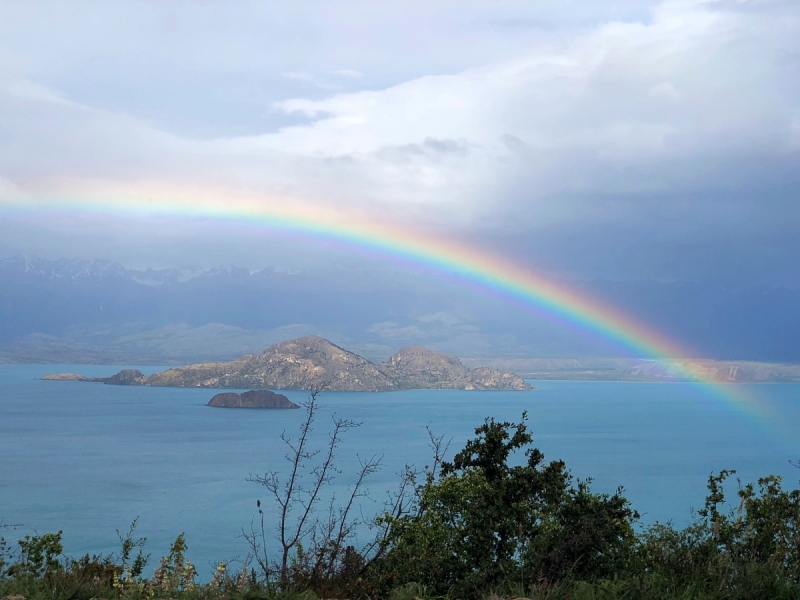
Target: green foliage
<point>496,522</point>
<point>132,567</point>
<point>39,556</point>
<point>583,536</point>
<point>329,572</point>
<point>751,551</point>
<point>5,557</point>
<point>99,571</point>
<point>482,523</point>
<point>174,573</point>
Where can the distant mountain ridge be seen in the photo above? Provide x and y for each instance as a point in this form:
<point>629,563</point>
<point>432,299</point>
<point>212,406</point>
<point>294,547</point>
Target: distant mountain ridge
<point>77,270</point>
<point>313,362</point>
<point>71,311</point>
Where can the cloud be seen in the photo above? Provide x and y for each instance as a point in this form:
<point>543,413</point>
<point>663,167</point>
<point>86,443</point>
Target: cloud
<point>664,90</point>
<point>27,90</point>
<point>795,132</point>
<point>441,317</point>
<point>351,73</point>
<point>10,192</point>
<point>676,128</point>
<point>299,75</point>
<point>600,116</point>
<point>440,326</point>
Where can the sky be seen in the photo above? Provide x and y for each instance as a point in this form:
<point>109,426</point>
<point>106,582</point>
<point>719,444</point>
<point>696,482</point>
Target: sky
<point>629,140</point>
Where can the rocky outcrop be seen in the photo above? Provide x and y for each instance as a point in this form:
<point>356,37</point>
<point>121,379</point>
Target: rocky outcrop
<point>251,399</point>
<point>64,377</point>
<point>300,364</point>
<point>124,377</point>
<point>418,367</point>
<point>312,362</point>
<point>487,378</point>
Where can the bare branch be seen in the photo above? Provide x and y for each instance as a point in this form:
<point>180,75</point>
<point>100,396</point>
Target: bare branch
<point>4,525</point>
<point>298,496</point>
<point>439,448</point>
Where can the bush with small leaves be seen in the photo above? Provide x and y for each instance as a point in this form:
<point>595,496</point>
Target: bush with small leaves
<point>755,546</point>
<point>483,522</point>
<point>174,573</point>
<point>39,556</point>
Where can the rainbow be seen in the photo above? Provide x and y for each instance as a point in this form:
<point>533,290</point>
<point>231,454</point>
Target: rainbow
<point>457,260</point>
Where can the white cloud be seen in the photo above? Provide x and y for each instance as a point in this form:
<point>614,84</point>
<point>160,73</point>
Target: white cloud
<point>443,318</point>
<point>10,192</point>
<point>27,90</point>
<point>600,114</point>
<point>299,75</point>
<point>351,73</point>
<point>795,132</point>
<point>697,100</point>
<point>664,90</point>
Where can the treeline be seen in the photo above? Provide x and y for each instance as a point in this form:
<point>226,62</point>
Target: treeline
<point>496,520</point>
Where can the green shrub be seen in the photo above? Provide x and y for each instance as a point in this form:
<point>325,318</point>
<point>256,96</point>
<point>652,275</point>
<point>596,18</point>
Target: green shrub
<point>5,557</point>
<point>483,523</point>
<point>39,556</point>
<point>174,573</point>
<point>752,551</point>
<point>498,521</point>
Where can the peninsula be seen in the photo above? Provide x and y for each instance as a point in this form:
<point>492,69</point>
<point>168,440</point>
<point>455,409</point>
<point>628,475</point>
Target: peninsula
<point>311,362</point>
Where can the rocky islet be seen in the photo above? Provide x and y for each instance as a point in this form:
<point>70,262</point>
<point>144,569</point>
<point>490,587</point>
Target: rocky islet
<point>251,399</point>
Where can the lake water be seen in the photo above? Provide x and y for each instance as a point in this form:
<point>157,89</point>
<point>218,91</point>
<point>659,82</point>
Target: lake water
<point>88,458</point>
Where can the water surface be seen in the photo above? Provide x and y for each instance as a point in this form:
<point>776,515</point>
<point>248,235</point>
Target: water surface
<point>88,458</point>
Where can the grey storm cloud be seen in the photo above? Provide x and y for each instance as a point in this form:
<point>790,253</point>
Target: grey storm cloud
<point>649,134</point>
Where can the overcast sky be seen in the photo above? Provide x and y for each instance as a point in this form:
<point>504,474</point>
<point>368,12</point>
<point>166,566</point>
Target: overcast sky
<point>625,139</point>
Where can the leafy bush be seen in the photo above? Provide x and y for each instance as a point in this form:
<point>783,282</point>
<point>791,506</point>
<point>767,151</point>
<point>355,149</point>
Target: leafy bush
<point>751,551</point>
<point>39,556</point>
<point>95,571</point>
<point>129,571</point>
<point>496,521</point>
<point>482,523</point>
<point>5,557</point>
<point>174,572</point>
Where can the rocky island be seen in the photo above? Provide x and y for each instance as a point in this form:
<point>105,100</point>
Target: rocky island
<point>64,377</point>
<point>251,399</point>
<point>312,362</point>
<point>124,377</point>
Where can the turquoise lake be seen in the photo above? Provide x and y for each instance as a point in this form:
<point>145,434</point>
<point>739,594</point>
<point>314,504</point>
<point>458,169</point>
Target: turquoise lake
<point>88,458</point>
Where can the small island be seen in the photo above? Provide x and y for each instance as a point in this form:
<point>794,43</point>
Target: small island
<point>251,399</point>
<point>124,377</point>
<point>64,377</point>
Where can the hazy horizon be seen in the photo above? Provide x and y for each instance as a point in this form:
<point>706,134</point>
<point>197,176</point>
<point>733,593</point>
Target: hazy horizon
<point>89,311</point>
<point>647,153</point>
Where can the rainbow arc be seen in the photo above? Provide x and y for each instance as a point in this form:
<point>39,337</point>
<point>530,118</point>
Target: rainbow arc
<point>457,260</point>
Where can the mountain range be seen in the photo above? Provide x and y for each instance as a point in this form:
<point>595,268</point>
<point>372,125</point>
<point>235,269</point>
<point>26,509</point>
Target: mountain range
<point>95,311</point>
